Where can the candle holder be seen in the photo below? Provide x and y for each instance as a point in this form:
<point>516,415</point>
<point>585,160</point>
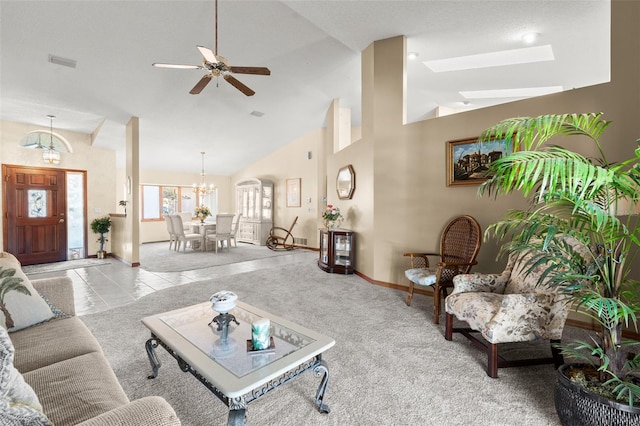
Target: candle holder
<point>223,302</point>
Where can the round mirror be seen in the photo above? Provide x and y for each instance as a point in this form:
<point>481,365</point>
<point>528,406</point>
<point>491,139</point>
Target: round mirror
<point>346,182</point>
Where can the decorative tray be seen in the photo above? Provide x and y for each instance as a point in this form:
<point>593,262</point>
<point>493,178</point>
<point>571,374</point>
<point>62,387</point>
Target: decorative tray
<point>270,349</point>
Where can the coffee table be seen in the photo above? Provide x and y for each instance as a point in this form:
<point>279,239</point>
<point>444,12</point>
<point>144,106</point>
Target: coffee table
<point>231,371</point>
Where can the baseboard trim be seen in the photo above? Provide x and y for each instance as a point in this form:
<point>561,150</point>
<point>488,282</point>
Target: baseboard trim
<point>394,286</point>
<point>121,260</point>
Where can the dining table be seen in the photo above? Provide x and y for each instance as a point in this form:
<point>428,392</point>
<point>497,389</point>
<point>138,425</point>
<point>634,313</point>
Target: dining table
<point>203,228</point>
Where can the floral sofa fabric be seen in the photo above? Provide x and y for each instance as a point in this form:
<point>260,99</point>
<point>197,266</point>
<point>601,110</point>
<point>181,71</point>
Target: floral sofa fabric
<point>509,307</point>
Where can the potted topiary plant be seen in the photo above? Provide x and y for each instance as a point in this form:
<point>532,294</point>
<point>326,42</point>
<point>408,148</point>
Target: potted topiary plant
<point>592,200</point>
<point>101,225</point>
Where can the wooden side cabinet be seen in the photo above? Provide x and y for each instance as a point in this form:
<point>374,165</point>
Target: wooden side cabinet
<point>337,251</point>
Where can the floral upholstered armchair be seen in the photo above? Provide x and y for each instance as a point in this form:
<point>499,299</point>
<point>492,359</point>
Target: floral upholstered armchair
<point>514,306</point>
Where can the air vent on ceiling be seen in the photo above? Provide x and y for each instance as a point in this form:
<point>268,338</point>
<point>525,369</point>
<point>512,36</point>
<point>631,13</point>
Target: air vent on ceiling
<point>257,113</point>
<point>58,60</point>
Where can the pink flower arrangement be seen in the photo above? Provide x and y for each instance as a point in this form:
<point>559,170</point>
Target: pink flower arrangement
<point>331,216</point>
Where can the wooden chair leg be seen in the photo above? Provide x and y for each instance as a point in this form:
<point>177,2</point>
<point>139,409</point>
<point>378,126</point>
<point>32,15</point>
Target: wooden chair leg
<point>448,328</point>
<point>410,295</point>
<point>436,304</point>
<point>492,362</point>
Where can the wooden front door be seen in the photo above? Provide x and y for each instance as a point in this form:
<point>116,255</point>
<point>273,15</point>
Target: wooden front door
<point>35,226</point>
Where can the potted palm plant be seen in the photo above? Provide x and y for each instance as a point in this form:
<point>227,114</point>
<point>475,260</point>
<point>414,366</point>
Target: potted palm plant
<point>101,225</point>
<point>592,200</point>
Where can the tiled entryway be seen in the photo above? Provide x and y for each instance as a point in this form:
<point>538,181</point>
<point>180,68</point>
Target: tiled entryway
<point>98,288</point>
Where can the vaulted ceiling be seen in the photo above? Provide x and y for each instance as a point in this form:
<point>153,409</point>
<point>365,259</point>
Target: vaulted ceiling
<point>311,47</point>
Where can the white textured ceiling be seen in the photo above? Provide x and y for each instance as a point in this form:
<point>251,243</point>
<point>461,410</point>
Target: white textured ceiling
<point>312,48</point>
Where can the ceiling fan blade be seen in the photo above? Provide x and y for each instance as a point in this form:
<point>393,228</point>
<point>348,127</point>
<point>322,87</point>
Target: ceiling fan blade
<point>207,54</point>
<point>179,66</point>
<point>251,70</point>
<point>200,85</point>
<point>238,85</point>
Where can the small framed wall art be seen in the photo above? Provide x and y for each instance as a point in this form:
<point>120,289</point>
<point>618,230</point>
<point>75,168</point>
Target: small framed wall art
<point>293,192</point>
<point>467,159</point>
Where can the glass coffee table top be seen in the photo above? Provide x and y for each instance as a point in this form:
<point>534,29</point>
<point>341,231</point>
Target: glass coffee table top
<point>195,325</point>
<point>233,367</point>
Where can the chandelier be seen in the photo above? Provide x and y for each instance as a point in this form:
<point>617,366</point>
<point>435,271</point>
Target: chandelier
<point>202,189</point>
<point>50,155</point>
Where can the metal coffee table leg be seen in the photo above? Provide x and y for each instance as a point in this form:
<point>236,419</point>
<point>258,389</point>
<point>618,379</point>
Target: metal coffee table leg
<point>321,369</point>
<point>151,344</point>
<point>237,411</point>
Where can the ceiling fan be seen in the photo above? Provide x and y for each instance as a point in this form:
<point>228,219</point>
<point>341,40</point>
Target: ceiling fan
<point>217,66</point>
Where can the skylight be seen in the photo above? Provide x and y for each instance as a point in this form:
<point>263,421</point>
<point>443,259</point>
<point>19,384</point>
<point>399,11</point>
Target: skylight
<point>522,92</point>
<point>493,59</point>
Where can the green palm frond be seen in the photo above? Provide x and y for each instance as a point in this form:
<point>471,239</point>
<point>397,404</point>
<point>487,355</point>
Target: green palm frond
<point>13,284</point>
<point>529,133</point>
<point>552,169</point>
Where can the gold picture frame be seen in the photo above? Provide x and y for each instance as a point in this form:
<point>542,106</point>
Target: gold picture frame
<point>467,159</point>
<point>293,192</point>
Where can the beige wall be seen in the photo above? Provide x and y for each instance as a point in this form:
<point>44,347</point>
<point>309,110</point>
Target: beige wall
<point>98,163</point>
<point>292,162</point>
<point>401,201</point>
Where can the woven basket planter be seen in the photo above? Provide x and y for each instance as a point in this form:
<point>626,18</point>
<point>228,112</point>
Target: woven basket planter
<point>577,406</point>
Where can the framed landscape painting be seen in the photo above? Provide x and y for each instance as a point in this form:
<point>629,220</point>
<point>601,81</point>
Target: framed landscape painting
<point>467,159</point>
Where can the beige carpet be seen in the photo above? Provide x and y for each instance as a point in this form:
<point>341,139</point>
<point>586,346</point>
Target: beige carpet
<point>390,365</point>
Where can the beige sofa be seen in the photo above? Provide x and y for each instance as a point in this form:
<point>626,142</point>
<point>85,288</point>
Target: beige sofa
<point>64,365</point>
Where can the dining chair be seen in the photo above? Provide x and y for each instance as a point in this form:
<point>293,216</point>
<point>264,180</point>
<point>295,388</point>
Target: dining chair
<point>172,235</point>
<point>459,246</point>
<point>234,230</point>
<point>187,218</point>
<point>181,236</point>
<point>224,222</point>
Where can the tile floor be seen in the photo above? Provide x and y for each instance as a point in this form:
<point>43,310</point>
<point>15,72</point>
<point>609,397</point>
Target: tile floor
<point>98,288</point>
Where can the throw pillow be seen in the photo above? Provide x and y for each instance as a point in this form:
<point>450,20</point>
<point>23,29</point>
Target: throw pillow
<point>19,404</point>
<point>20,304</point>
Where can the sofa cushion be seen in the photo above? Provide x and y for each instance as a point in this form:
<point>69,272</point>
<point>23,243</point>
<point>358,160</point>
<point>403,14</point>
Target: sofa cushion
<point>77,389</point>
<point>147,411</point>
<point>52,342</point>
<point>23,306</point>
<point>19,404</point>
